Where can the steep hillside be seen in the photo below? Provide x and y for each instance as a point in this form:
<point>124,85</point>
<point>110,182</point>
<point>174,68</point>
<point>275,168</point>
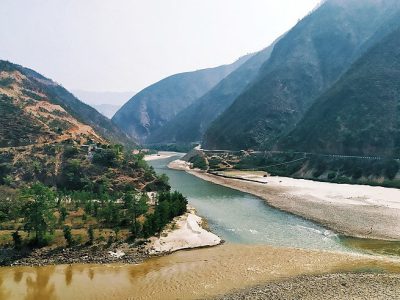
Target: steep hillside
<point>190,124</point>
<point>360,114</point>
<point>30,115</point>
<point>49,111</point>
<point>43,137</point>
<point>303,64</point>
<point>153,107</point>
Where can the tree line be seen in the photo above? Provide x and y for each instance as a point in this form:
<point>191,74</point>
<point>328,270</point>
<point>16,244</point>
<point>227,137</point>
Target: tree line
<point>43,210</point>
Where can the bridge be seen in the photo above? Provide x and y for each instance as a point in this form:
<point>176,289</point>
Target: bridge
<point>297,152</point>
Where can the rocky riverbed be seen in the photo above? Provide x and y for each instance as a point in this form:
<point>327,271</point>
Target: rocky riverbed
<point>95,254</point>
<point>332,286</point>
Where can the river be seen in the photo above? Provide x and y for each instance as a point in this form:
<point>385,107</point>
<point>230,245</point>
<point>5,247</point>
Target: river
<point>242,218</point>
<point>254,234</point>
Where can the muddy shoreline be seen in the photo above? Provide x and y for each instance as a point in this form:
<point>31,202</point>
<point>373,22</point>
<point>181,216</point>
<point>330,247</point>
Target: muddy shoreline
<point>194,274</point>
<point>332,286</point>
<point>83,254</point>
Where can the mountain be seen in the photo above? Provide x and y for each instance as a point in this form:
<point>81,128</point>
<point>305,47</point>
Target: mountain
<point>49,111</point>
<point>154,106</point>
<point>189,125</point>
<point>106,103</point>
<point>48,135</point>
<point>360,114</point>
<point>304,64</point>
<point>56,160</point>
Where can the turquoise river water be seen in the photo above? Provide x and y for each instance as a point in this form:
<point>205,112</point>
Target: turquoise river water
<point>241,218</point>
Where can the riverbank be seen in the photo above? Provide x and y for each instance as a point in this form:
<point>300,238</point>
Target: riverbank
<point>331,286</point>
<point>184,232</point>
<point>96,254</point>
<point>353,210</point>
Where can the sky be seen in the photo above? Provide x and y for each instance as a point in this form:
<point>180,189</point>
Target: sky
<point>126,45</point>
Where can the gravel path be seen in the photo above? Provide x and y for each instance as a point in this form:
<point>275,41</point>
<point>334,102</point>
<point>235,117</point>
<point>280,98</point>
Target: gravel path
<point>333,286</point>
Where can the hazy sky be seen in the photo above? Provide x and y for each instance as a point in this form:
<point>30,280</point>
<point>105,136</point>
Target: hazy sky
<point>125,45</point>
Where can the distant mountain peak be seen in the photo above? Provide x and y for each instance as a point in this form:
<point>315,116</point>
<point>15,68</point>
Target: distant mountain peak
<point>154,106</point>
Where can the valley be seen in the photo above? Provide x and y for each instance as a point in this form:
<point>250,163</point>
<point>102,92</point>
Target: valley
<point>258,158</point>
<point>279,250</point>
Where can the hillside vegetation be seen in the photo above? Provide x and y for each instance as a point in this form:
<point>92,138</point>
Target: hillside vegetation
<point>46,104</point>
<point>360,114</point>
<point>63,183</point>
<point>303,65</point>
<point>190,124</point>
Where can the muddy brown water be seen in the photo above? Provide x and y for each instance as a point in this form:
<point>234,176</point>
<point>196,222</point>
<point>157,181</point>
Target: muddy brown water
<point>183,275</point>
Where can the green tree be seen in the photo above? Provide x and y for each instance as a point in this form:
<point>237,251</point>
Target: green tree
<point>110,213</point>
<point>132,213</point>
<point>163,210</point>
<point>142,205</point>
<point>89,207</point>
<point>136,230</point>
<point>91,234</point>
<point>39,211</point>
<point>106,157</point>
<point>17,240</point>
<point>135,208</point>
<point>117,231</point>
<point>68,235</point>
<point>63,214</point>
<point>72,177</point>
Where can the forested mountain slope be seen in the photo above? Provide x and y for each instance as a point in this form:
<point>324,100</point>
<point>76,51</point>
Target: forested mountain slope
<point>303,65</point>
<point>360,114</point>
<point>190,124</point>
